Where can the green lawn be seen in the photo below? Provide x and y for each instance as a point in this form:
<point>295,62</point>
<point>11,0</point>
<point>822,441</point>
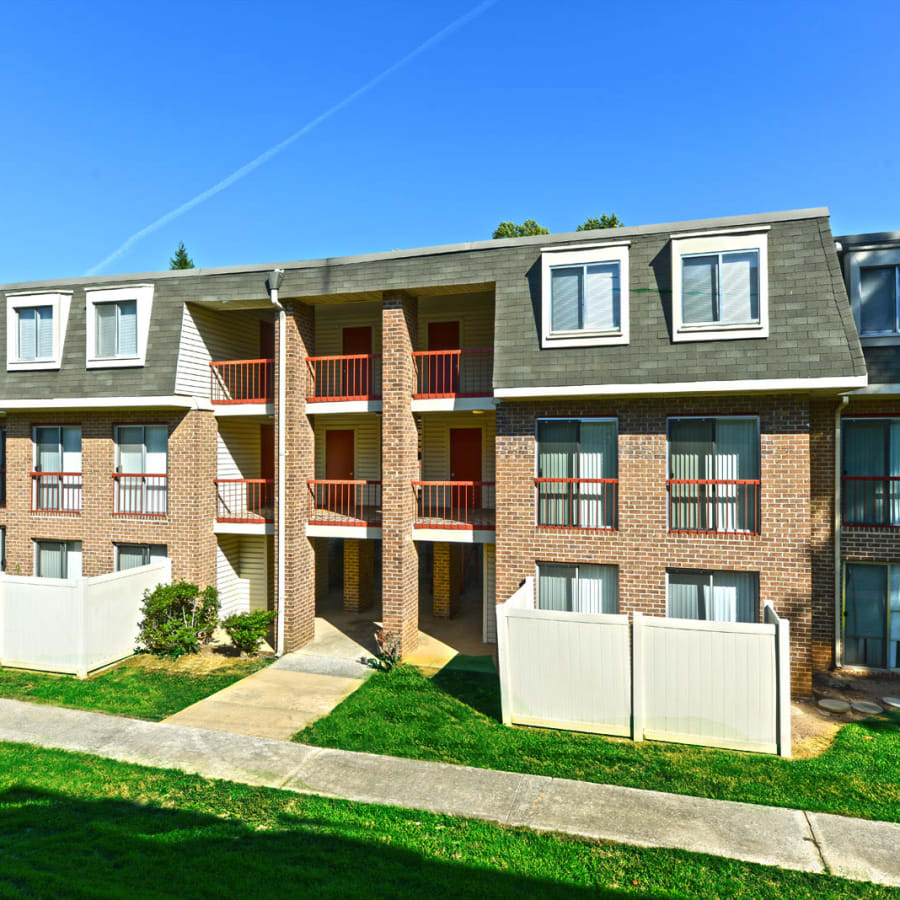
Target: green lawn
<point>143,687</point>
<point>455,718</point>
<point>80,826</point>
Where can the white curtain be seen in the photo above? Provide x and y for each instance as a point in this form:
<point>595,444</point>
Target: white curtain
<point>739,287</point>
<point>555,587</point>
<point>690,459</point>
<point>51,559</point>
<point>557,440</point>
<point>601,297</point>
<point>597,458</point>
<point>583,588</point>
<point>737,458</point>
<point>565,299</point>
<point>734,597</point>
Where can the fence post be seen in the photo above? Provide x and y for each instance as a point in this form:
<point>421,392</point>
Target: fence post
<point>81,662</point>
<point>2,617</point>
<point>637,677</point>
<point>503,660</point>
<point>783,661</point>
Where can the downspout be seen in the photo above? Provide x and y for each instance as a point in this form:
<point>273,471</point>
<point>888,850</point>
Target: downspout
<point>838,581</point>
<point>272,285</point>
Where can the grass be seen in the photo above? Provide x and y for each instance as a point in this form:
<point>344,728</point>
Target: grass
<point>455,718</point>
<point>143,687</point>
<point>81,826</point>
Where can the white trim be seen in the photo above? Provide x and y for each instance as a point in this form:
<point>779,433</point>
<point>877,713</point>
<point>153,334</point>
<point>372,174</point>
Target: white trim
<point>453,535</point>
<point>260,528</point>
<point>342,406</point>
<point>728,241</point>
<point>715,232</point>
<point>579,247</point>
<point>266,410</point>
<point>157,402</point>
<point>766,385</point>
<point>570,256</point>
<point>451,404</point>
<point>857,259</point>
<point>59,302</point>
<point>343,531</point>
<point>889,389</point>
<point>142,294</point>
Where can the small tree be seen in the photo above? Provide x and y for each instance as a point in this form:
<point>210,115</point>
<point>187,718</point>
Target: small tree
<point>247,630</point>
<point>178,618</point>
<point>604,221</point>
<point>181,260</point>
<point>527,228</point>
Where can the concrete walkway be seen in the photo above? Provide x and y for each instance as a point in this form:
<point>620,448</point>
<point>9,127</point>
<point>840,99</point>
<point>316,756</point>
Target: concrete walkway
<point>792,839</point>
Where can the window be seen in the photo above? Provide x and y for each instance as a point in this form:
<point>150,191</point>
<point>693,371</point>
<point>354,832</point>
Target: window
<point>35,333</point>
<point>116,328</point>
<point>581,588</point>
<point>141,469</point>
<point>57,559</point>
<point>879,300</point>
<point>36,329</point>
<point>130,556</point>
<point>719,286</point>
<point>577,473</point>
<point>714,482</point>
<point>712,596</point>
<point>585,295</point>
<point>870,470</point>
<point>56,479</point>
<point>872,616</point>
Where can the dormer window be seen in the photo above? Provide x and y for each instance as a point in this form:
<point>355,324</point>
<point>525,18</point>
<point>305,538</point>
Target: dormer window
<point>118,325</point>
<point>36,329</point>
<point>35,333</point>
<point>116,329</point>
<point>879,300</point>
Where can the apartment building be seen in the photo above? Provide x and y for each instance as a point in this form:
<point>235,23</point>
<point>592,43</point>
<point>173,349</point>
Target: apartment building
<point>647,418</point>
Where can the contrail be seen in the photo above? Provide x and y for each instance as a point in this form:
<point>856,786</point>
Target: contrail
<point>238,174</point>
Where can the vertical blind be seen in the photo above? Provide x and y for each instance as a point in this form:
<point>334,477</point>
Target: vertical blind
<point>871,450</point>
<point>585,297</point>
<point>720,287</point>
<point>878,299</point>
<point>582,588</point>
<point>36,333</point>
<point>51,559</point>
<point>713,596</point>
<point>117,328</point>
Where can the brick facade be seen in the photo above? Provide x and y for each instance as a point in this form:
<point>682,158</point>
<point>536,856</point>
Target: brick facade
<point>359,575</point>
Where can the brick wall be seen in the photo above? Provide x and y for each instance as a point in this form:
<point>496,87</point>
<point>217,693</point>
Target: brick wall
<point>642,546</point>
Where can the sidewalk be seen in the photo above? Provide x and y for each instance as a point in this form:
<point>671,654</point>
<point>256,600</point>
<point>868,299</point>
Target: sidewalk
<point>792,839</point>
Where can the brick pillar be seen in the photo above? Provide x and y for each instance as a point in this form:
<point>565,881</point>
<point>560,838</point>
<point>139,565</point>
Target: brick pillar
<point>446,579</point>
<point>299,558</point>
<point>399,443</point>
<point>359,573</point>
<point>320,548</point>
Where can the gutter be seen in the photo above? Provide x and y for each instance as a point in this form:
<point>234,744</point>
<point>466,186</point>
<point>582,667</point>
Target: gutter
<point>838,583</point>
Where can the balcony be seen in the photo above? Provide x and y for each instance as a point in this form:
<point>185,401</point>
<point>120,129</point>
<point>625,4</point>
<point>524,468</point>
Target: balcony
<point>58,492</point>
<point>352,503</point>
<point>870,501</point>
<point>344,378</point>
<point>454,373</point>
<point>242,381</point>
<point>456,505</point>
<point>245,500</point>
<point>139,494</point>
<point>725,506</point>
<point>586,503</point>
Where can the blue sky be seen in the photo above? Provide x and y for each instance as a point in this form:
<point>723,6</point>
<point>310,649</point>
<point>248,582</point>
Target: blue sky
<point>115,114</point>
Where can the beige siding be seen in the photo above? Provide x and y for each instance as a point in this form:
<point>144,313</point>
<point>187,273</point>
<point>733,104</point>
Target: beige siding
<point>490,595</point>
<point>367,429</point>
<point>332,319</point>
<point>474,312</point>
<point>233,590</point>
<point>238,448</point>
<point>253,569</point>
<point>435,443</point>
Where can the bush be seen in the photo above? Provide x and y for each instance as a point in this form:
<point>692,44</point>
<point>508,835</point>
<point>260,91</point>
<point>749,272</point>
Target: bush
<point>178,618</point>
<point>388,650</point>
<point>247,630</point>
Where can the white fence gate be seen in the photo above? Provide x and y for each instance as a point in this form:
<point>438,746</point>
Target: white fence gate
<point>719,684</point>
<point>73,626</point>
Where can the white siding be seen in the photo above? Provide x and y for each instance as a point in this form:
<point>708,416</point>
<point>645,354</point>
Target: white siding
<point>234,592</point>
<point>435,443</point>
<point>253,569</point>
<point>333,318</point>
<point>367,428</point>
<point>474,312</point>
<point>238,448</point>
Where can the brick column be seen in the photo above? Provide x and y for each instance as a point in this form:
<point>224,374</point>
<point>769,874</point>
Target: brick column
<point>446,579</point>
<point>399,442</point>
<point>359,573</point>
<point>299,558</point>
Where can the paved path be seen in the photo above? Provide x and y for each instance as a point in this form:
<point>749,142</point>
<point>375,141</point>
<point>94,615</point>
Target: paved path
<point>792,839</point>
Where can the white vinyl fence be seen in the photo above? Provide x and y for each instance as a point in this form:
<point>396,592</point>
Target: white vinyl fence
<point>719,684</point>
<point>73,626</point>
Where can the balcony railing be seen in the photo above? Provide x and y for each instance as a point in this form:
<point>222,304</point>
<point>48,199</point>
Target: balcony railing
<point>454,504</point>
<point>577,502</point>
<point>726,506</point>
<point>140,494</point>
<point>344,502</point>
<point>56,492</point>
<point>245,500</point>
<point>454,373</point>
<point>869,500</point>
<point>344,377</point>
<point>242,381</point>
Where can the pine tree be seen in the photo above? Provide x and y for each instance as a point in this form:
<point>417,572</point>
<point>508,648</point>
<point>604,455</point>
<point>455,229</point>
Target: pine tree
<point>181,260</point>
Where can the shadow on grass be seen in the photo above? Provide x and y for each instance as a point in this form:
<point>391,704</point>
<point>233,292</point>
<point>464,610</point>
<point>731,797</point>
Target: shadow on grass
<point>54,845</point>
<point>472,682</point>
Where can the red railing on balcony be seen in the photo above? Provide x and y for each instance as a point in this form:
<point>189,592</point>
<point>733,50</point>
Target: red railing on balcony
<point>577,502</point>
<point>454,504</point>
<point>344,502</point>
<point>454,373</point>
<point>56,492</point>
<point>870,501</point>
<point>722,506</point>
<point>139,494</point>
<point>355,377</point>
<point>242,381</point>
<point>245,500</point>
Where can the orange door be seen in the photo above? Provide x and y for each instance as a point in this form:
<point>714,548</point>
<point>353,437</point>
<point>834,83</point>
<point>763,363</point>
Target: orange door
<point>339,466</point>
<point>443,370</point>
<point>261,496</point>
<point>465,465</point>
<point>357,341</point>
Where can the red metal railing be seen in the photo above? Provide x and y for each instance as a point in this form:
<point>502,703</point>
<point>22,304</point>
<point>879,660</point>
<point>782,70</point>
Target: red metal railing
<point>729,506</point>
<point>454,373</point>
<point>870,500</point>
<point>245,499</point>
<point>577,502</point>
<point>454,504</point>
<point>56,492</point>
<point>242,381</point>
<point>344,502</point>
<point>355,377</point>
<point>139,494</point>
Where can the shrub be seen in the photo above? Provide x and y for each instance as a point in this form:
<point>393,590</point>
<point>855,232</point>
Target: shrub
<point>247,630</point>
<point>178,618</point>
<point>388,650</point>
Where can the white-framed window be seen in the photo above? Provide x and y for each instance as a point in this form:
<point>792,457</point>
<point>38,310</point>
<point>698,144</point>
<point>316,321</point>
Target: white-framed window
<point>578,587</point>
<point>57,479</point>
<point>130,556</point>
<point>870,471</point>
<point>57,559</point>
<point>720,286</point>
<point>36,329</point>
<point>712,596</point>
<point>584,295</point>
<point>872,615</point>
<point>141,475</point>
<point>873,283</point>
<point>118,325</point>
